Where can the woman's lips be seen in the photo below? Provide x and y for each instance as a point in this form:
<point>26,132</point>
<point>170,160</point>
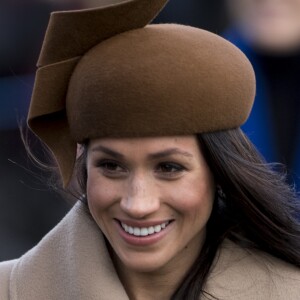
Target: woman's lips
<point>144,231</point>
<point>143,235</point>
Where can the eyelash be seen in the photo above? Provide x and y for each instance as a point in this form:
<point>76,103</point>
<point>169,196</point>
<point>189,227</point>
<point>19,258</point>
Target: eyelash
<point>163,169</point>
<point>176,168</point>
<point>110,167</point>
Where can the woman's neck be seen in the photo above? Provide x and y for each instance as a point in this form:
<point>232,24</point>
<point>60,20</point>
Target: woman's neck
<point>146,286</point>
<point>159,284</point>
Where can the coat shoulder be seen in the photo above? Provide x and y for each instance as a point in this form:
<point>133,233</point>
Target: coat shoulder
<point>5,272</point>
<point>240,273</point>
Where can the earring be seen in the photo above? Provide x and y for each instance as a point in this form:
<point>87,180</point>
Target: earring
<point>220,192</point>
<point>82,198</point>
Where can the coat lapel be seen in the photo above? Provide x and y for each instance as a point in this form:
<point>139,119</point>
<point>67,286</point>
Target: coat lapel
<point>71,262</point>
<point>243,274</point>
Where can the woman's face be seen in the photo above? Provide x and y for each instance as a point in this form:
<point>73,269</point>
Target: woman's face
<point>272,25</point>
<point>151,197</point>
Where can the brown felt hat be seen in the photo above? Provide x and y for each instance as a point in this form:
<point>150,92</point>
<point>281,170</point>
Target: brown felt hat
<point>105,72</point>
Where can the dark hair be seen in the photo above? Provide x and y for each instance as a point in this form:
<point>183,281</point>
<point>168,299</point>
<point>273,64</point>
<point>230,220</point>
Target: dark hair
<point>256,209</point>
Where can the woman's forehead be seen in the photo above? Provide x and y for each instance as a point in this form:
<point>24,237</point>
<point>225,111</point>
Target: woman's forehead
<point>146,144</point>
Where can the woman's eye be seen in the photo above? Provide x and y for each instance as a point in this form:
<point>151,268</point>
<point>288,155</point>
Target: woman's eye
<point>111,167</point>
<point>170,168</point>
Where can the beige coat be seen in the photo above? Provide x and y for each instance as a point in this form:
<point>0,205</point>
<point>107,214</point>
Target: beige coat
<point>72,263</point>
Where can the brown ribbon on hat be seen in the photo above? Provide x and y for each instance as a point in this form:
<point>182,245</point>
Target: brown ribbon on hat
<point>104,73</point>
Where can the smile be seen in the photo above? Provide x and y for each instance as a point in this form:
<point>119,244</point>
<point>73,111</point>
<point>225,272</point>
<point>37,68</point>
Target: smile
<point>144,231</point>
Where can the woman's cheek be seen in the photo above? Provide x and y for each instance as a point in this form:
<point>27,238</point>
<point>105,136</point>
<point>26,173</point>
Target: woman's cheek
<point>100,191</point>
<point>193,196</point>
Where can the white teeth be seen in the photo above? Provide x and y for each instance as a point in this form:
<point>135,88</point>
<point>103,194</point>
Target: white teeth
<point>136,231</point>
<point>151,230</point>
<point>144,231</point>
<point>157,228</point>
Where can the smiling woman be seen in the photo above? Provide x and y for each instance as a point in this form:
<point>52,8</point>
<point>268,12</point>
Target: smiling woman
<point>160,190</point>
<point>175,202</point>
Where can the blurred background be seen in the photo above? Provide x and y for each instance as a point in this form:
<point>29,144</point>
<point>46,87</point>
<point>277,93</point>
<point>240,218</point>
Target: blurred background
<point>267,31</point>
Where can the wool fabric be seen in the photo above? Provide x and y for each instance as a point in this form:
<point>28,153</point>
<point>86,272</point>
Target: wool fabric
<point>72,262</point>
<point>106,72</point>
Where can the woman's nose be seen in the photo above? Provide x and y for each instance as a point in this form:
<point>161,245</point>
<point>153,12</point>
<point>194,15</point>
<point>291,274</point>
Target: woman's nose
<point>141,198</point>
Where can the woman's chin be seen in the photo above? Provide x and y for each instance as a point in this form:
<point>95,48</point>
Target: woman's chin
<point>142,263</point>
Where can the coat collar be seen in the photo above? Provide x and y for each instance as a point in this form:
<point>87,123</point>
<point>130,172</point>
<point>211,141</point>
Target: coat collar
<point>72,262</point>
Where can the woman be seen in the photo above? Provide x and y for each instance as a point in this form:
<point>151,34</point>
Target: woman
<point>176,204</point>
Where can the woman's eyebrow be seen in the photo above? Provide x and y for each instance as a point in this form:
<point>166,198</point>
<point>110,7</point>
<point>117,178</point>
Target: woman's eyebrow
<point>152,156</point>
<point>108,151</point>
<point>169,152</point>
